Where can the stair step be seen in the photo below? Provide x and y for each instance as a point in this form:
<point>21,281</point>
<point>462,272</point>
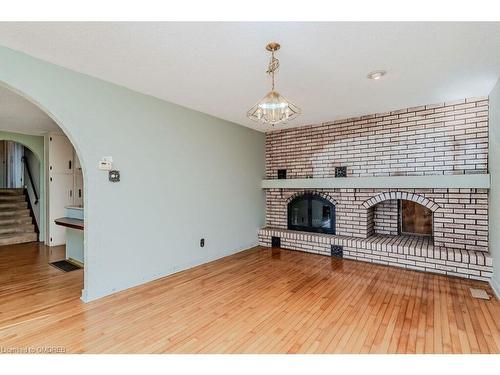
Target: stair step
<point>8,206</point>
<point>12,198</point>
<point>11,192</point>
<point>14,213</point>
<point>17,228</point>
<point>16,225</point>
<point>10,239</point>
<point>15,220</point>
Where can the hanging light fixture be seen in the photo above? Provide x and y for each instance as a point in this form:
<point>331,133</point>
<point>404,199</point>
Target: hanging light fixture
<point>273,108</point>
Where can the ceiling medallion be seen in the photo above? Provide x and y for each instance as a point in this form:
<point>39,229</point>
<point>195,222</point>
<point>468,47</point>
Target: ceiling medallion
<point>273,108</point>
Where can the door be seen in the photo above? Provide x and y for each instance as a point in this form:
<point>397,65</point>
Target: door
<point>78,193</point>
<point>60,154</point>
<point>77,167</point>
<point>78,190</point>
<point>60,185</point>
<point>61,195</point>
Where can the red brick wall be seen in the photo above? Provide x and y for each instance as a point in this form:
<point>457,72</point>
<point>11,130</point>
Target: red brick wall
<point>445,138</point>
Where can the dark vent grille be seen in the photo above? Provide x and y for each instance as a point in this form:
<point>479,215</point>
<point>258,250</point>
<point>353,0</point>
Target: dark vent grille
<point>340,171</point>
<point>275,241</point>
<point>337,251</point>
<point>281,174</point>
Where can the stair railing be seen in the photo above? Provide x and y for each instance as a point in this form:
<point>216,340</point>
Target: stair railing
<point>30,177</point>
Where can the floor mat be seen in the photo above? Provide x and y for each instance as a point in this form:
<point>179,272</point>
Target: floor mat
<point>65,266</point>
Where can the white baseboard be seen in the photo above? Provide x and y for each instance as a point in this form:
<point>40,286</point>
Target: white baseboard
<point>495,285</point>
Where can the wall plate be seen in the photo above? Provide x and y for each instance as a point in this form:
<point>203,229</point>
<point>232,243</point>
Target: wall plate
<point>105,165</point>
<point>114,176</point>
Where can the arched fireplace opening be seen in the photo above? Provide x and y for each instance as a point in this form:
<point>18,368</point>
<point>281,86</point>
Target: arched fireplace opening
<point>401,213</point>
<point>311,213</point>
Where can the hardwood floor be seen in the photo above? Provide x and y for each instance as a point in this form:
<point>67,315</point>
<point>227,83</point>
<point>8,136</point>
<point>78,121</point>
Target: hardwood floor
<point>257,301</point>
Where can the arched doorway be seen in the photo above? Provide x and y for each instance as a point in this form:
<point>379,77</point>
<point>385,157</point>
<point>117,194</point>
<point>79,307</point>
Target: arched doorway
<point>21,178</point>
<point>38,147</point>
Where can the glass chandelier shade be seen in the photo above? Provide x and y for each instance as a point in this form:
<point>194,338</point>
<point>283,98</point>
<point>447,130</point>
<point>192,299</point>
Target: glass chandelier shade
<point>273,108</point>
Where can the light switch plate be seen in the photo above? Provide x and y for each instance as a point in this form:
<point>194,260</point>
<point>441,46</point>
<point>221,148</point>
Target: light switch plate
<point>105,165</point>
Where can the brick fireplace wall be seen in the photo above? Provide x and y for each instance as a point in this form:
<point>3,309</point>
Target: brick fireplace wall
<point>460,222</point>
<point>386,217</point>
<point>445,138</point>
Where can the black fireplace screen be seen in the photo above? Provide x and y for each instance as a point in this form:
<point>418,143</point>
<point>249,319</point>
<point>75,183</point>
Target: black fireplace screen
<point>311,213</point>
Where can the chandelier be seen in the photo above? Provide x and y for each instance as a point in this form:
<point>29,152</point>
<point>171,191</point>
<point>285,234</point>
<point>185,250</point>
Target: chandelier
<point>273,108</point>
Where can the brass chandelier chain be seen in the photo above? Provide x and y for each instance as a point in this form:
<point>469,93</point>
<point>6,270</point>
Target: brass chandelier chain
<point>273,66</point>
<point>274,108</point>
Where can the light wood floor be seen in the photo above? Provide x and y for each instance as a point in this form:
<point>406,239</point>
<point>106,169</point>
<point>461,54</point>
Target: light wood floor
<point>251,302</point>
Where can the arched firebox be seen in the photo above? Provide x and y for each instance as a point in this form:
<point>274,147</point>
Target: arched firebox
<point>310,212</point>
<point>401,213</point>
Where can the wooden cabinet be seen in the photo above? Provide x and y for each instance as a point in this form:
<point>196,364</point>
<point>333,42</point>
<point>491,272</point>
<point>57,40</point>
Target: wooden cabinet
<point>78,186</point>
<point>78,166</point>
<point>60,196</point>
<point>60,154</point>
<point>64,187</point>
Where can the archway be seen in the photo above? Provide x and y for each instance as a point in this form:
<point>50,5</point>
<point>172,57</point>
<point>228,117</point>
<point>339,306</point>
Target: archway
<point>38,146</point>
<point>22,167</point>
<point>34,144</point>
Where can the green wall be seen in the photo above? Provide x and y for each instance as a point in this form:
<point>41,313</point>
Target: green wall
<point>36,145</point>
<point>494,200</point>
<point>185,175</point>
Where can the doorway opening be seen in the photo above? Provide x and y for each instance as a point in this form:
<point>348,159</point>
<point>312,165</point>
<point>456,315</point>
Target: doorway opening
<point>41,179</point>
<point>20,181</point>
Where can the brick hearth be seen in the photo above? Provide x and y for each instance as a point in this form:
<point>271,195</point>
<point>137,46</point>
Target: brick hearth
<point>412,252</point>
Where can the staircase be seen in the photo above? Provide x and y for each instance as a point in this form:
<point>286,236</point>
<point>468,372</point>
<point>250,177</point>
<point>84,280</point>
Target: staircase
<point>16,223</point>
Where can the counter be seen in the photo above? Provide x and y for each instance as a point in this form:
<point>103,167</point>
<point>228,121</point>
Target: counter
<point>73,221</point>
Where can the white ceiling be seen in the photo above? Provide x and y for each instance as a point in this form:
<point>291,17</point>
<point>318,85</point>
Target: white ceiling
<point>219,68</point>
<point>21,116</point>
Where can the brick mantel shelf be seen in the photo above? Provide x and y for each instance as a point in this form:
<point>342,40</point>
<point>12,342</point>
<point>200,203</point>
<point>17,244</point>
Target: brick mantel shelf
<point>462,181</point>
